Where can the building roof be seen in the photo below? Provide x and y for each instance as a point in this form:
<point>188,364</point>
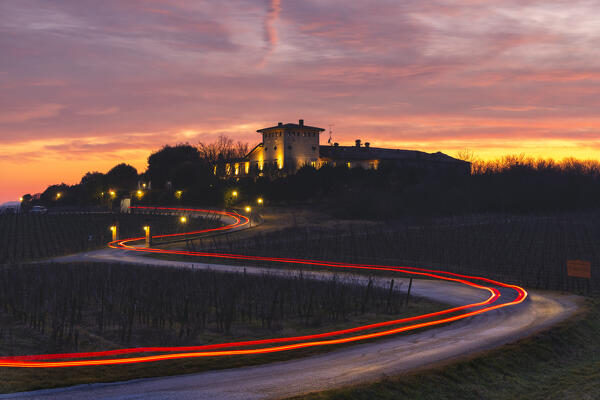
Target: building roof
<point>377,153</point>
<point>291,126</point>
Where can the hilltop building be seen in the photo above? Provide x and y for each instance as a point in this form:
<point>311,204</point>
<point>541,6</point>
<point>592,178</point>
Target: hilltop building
<point>285,148</point>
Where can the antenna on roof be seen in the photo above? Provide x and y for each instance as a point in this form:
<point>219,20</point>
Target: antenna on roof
<point>330,132</point>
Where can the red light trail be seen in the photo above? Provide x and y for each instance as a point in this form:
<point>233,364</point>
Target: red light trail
<point>273,345</point>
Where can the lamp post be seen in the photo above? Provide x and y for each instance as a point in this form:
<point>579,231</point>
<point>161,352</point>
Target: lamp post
<point>230,198</point>
<point>249,211</point>
<point>115,233</point>
<point>112,195</point>
<point>148,237</point>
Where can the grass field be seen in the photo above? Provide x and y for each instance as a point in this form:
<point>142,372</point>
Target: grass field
<point>561,363</point>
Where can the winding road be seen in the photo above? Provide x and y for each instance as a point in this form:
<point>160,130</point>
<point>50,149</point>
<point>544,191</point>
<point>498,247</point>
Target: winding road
<point>496,314</point>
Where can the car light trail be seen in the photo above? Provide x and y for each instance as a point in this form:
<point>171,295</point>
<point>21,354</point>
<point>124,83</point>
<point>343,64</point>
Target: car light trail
<point>273,345</point>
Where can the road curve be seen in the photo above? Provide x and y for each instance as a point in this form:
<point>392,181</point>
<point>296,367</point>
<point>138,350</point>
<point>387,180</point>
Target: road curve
<point>351,365</point>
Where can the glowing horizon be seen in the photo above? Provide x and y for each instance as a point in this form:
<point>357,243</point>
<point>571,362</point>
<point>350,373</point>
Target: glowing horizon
<point>88,86</point>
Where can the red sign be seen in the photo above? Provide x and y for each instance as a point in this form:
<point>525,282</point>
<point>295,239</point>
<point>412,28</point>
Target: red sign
<point>579,269</point>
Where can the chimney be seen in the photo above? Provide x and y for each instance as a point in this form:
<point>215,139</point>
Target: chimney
<point>367,144</point>
<point>301,122</point>
<point>357,141</point>
<point>280,124</point>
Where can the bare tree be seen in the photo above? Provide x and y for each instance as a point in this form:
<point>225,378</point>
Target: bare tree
<point>223,147</point>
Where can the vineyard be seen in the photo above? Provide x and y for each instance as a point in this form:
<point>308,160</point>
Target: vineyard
<point>527,250</point>
<point>29,237</point>
<point>91,306</point>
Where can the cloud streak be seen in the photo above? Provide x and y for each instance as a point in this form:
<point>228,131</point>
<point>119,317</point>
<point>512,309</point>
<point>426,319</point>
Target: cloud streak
<point>271,38</point>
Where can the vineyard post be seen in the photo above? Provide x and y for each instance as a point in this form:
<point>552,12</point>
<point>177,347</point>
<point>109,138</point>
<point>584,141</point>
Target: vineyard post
<point>408,292</point>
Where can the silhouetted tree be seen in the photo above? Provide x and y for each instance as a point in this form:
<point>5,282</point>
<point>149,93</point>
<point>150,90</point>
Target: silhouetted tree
<point>163,164</point>
<point>122,177</point>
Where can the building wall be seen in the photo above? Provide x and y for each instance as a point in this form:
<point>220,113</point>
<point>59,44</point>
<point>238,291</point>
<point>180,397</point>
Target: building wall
<point>301,148</point>
<point>273,149</point>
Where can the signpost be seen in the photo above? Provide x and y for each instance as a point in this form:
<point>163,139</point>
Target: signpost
<point>579,269</point>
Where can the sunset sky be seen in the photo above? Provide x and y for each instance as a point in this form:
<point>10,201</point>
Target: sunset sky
<point>87,84</point>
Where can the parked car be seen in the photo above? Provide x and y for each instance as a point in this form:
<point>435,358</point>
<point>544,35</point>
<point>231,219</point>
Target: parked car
<point>10,207</point>
<point>38,210</point>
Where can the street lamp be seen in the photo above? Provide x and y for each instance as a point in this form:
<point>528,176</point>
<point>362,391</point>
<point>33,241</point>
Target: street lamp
<point>183,219</point>
<point>112,194</point>
<point>248,210</point>
<point>148,238</point>
<point>115,236</point>
<point>259,201</point>
<point>58,195</point>
<point>21,199</point>
<point>178,194</point>
<point>139,194</point>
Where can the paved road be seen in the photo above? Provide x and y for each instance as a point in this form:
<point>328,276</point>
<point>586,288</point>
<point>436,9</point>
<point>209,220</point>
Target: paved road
<point>343,367</point>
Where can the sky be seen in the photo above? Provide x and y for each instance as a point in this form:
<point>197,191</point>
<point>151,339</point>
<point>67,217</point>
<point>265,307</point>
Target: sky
<point>87,84</point>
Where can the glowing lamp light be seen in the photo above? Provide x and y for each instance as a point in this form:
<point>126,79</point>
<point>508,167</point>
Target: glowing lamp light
<point>178,194</point>
<point>139,194</point>
<point>58,195</point>
<point>112,193</point>
<point>146,228</point>
<point>143,185</point>
<point>113,228</point>
<point>234,194</point>
<point>20,199</point>
<point>248,209</point>
<point>183,219</point>
<point>259,200</point>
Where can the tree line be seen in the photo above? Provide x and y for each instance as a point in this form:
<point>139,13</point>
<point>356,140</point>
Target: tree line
<point>183,174</point>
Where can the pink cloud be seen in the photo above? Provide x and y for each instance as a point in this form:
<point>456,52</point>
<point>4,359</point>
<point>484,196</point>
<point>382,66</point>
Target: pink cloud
<point>127,77</point>
<point>21,115</point>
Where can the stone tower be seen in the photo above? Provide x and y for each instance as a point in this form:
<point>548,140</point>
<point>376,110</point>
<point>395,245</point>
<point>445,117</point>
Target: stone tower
<point>288,147</point>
